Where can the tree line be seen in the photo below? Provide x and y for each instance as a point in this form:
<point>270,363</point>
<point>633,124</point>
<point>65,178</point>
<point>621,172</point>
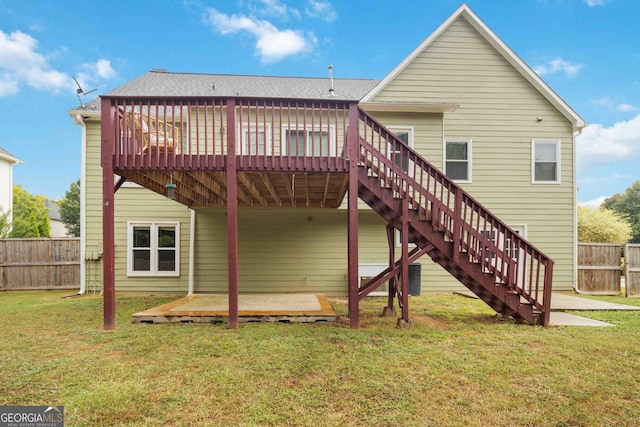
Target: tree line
<point>617,220</point>
<point>30,215</point>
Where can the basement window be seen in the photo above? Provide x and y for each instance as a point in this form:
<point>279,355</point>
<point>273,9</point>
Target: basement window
<point>153,249</point>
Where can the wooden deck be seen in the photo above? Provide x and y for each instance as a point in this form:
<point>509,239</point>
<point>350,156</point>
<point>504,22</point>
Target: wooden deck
<point>207,308</point>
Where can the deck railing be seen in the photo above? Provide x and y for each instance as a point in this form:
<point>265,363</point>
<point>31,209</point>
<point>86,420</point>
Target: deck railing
<point>474,231</point>
<point>192,133</point>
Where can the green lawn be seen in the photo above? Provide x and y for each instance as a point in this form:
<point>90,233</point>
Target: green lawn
<point>460,365</point>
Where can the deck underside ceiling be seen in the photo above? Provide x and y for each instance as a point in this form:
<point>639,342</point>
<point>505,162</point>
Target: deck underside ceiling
<point>255,188</point>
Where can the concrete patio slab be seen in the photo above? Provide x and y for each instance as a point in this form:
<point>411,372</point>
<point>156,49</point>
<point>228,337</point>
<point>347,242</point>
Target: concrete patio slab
<point>209,308</point>
<point>560,318</point>
<point>563,302</point>
<point>578,303</point>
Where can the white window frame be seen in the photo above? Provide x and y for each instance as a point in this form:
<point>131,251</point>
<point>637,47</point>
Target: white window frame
<point>521,229</point>
<point>504,244</point>
<point>153,272</point>
<point>245,128</point>
<point>398,238</point>
<point>469,160</point>
<point>331,129</point>
<point>557,143</point>
<point>410,130</point>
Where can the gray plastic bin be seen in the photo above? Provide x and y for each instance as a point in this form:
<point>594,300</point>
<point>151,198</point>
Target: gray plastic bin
<point>415,284</point>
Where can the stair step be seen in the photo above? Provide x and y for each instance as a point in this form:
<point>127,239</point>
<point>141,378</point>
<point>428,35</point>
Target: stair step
<point>382,199</point>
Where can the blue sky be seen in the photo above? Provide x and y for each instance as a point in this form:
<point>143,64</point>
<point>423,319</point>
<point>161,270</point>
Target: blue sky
<point>588,51</point>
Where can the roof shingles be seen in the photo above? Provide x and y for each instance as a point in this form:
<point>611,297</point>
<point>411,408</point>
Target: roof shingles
<point>161,83</point>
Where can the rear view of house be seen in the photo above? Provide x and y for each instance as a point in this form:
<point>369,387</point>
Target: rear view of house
<point>461,158</point>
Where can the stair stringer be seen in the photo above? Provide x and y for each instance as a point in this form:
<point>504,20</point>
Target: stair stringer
<point>421,232</point>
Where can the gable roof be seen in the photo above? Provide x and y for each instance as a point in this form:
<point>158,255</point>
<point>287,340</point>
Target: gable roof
<point>5,155</point>
<point>465,12</point>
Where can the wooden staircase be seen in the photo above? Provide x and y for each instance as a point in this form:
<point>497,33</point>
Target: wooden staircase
<point>443,221</point>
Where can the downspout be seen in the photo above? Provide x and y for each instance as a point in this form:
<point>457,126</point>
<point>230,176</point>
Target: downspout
<point>575,214</point>
<point>192,235</point>
<point>83,216</point>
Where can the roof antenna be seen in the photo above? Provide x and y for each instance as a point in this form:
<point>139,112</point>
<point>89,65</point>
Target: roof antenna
<point>79,91</point>
<point>331,91</point>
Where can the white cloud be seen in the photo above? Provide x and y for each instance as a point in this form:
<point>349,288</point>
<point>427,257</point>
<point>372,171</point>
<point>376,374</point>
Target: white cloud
<point>600,146</point>
<point>558,65</point>
<point>101,68</point>
<point>274,8</point>
<point>604,102</point>
<point>594,203</point>
<point>592,3</point>
<point>8,86</point>
<point>321,9</point>
<point>21,63</point>
<point>625,108</point>
<point>609,104</point>
<point>272,44</point>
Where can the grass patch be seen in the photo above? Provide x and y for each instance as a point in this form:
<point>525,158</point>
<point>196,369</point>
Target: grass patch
<point>459,365</point>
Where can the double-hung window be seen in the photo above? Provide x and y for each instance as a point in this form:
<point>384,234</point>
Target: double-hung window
<point>404,134</point>
<point>153,249</point>
<point>309,141</point>
<point>546,161</point>
<point>256,140</point>
<point>457,159</point>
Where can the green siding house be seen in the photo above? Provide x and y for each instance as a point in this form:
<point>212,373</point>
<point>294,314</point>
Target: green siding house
<point>462,100</point>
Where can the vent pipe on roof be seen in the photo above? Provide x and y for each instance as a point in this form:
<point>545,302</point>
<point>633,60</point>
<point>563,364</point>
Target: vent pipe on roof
<point>331,91</point>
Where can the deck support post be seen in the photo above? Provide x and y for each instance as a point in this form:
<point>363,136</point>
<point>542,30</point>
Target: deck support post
<point>352,221</point>
<point>232,214</point>
<point>108,198</point>
<point>404,303</point>
<point>391,240</point>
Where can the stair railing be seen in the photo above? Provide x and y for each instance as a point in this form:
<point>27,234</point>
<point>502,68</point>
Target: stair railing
<point>473,230</point>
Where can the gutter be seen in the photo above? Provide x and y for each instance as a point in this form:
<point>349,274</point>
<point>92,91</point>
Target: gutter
<point>83,214</point>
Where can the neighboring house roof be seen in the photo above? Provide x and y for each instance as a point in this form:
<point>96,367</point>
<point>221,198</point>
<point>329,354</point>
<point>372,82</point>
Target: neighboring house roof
<point>466,13</point>
<point>54,210</point>
<point>5,155</point>
<point>163,83</point>
<point>57,228</point>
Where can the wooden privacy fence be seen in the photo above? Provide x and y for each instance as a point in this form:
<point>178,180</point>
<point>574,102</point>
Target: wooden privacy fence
<point>29,264</point>
<point>599,268</point>
<point>632,270</point>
